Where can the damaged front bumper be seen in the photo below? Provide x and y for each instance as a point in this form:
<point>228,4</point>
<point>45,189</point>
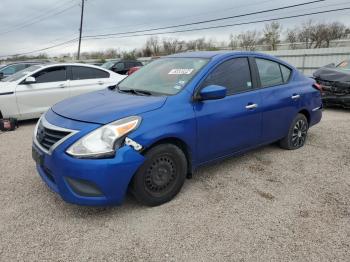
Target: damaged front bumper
<point>92,182</point>
<point>335,93</point>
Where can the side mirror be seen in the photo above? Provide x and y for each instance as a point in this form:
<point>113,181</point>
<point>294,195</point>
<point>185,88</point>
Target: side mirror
<point>1,75</point>
<point>30,80</point>
<point>212,92</point>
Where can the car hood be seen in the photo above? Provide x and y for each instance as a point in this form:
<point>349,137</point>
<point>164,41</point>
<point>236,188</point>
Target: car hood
<point>6,87</point>
<point>103,107</point>
<point>333,74</point>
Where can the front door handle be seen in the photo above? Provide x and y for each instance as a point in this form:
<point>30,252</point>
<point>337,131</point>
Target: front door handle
<point>62,85</point>
<point>251,106</point>
<point>295,96</point>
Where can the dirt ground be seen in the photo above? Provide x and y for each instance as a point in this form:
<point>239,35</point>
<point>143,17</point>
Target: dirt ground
<point>267,205</point>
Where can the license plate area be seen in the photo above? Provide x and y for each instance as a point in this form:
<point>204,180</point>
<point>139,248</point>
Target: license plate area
<point>37,156</point>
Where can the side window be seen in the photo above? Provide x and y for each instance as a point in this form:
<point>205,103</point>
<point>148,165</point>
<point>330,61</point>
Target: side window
<point>269,72</point>
<point>80,73</point>
<point>52,74</point>
<point>8,70</point>
<point>286,72</point>
<point>233,74</point>
<point>119,66</point>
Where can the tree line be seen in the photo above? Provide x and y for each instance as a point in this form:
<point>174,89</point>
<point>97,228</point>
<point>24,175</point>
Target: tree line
<point>307,35</point>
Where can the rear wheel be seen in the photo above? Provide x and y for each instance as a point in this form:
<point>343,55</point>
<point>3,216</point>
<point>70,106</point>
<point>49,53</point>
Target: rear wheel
<point>162,175</point>
<point>297,133</point>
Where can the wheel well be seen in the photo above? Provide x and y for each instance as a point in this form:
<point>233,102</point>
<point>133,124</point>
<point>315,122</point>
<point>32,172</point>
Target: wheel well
<point>306,114</point>
<point>180,144</point>
<point>1,117</point>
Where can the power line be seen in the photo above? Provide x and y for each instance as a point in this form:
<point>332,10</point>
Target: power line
<point>222,26</point>
<point>207,21</point>
<point>35,21</point>
<point>177,18</point>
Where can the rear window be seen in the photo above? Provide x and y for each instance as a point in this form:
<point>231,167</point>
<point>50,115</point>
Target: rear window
<point>81,73</point>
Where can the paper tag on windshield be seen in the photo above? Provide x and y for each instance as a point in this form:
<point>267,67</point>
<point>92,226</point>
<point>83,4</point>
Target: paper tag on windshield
<point>180,71</point>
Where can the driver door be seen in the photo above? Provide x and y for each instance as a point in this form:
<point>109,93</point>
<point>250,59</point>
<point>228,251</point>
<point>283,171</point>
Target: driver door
<point>51,86</point>
<point>231,124</point>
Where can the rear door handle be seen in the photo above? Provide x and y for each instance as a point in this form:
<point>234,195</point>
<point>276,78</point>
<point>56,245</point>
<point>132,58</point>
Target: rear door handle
<point>100,82</point>
<point>251,106</point>
<point>295,96</point>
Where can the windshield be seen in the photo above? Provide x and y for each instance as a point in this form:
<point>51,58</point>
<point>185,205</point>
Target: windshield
<point>166,76</point>
<point>21,74</point>
<point>345,65</point>
<point>108,65</point>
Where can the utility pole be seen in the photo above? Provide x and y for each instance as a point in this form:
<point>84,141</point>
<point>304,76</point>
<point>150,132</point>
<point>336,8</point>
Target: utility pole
<point>81,27</point>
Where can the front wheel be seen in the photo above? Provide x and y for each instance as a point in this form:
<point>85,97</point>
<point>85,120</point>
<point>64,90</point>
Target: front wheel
<point>161,176</point>
<point>297,133</point>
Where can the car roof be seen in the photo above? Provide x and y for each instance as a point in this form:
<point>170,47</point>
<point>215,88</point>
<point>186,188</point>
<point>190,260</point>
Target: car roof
<point>212,54</point>
<point>225,54</point>
<point>73,64</point>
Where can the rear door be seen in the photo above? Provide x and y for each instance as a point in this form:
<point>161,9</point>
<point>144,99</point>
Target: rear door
<point>233,123</point>
<point>51,86</point>
<point>88,79</point>
<point>280,98</point>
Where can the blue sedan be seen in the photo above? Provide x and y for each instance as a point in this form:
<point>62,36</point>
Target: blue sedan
<point>153,129</point>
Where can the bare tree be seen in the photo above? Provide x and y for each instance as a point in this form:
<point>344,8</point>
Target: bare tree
<point>233,42</point>
<point>304,34</point>
<point>292,38</point>
<point>335,31</point>
<point>272,34</point>
<point>248,40</point>
<point>153,44</point>
<point>172,45</point>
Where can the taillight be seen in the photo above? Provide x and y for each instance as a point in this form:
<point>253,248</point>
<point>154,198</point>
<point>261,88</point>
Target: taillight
<point>317,86</point>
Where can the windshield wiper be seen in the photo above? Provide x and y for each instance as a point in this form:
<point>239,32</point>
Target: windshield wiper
<point>135,91</point>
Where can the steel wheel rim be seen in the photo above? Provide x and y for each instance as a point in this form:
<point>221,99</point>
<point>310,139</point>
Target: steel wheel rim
<point>299,133</point>
<point>160,175</point>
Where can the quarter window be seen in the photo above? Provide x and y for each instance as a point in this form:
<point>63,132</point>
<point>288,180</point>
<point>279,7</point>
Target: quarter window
<point>52,74</point>
<point>233,74</point>
<point>80,73</point>
<point>286,72</point>
<point>269,72</point>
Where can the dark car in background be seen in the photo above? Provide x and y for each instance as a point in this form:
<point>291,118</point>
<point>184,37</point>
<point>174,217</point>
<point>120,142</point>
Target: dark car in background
<point>121,66</point>
<point>13,68</point>
<point>335,84</point>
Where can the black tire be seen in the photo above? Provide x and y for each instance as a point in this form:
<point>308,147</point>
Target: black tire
<point>297,133</point>
<point>161,176</point>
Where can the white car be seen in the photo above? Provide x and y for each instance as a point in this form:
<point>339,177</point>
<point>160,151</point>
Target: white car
<point>29,93</point>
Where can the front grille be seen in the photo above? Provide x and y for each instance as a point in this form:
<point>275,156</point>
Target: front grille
<point>47,137</point>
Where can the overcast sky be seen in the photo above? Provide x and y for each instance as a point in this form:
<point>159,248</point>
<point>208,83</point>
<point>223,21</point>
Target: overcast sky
<point>59,20</point>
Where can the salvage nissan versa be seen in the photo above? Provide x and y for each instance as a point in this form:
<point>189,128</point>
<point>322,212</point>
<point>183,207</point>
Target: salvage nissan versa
<point>154,128</point>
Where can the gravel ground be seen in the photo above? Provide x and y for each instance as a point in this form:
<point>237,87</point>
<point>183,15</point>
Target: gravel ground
<point>268,205</point>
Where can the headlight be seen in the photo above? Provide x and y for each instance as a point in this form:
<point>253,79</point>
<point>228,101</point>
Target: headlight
<point>103,141</point>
